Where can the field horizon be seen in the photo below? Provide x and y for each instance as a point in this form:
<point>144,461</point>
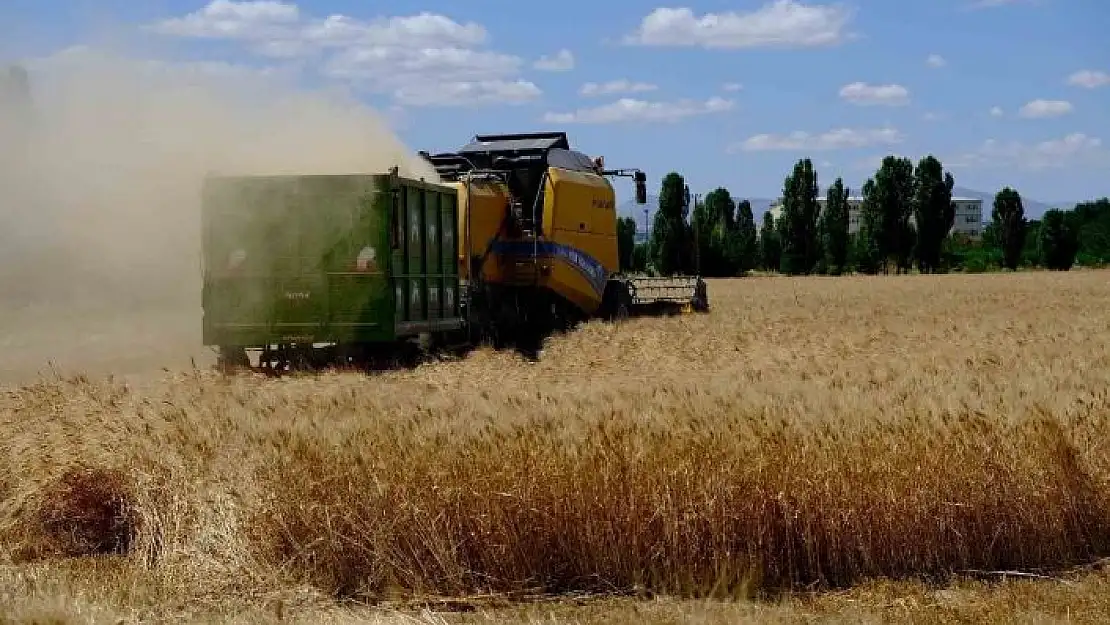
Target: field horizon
<point>812,449</point>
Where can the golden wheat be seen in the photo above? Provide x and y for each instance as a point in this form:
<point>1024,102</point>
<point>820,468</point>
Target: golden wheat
<point>805,432</point>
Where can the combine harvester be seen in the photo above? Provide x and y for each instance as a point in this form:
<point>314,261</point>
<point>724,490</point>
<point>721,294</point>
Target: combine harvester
<point>518,240</point>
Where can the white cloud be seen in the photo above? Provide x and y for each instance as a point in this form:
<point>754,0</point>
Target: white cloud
<point>563,61</point>
<point>1091,79</point>
<point>732,87</point>
<point>281,24</point>
<point>468,93</point>
<point>424,30</point>
<point>935,60</point>
<point>996,111</point>
<point>225,19</point>
<point>434,76</point>
<point>837,139</point>
<point>864,94</point>
<point>987,4</point>
<point>1038,109</point>
<point>615,86</point>
<point>424,59</point>
<point>1071,150</point>
<point>633,110</point>
<point>284,49</point>
<point>781,23</point>
<point>401,66</point>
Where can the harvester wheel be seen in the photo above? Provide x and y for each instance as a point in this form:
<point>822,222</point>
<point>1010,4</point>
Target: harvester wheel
<point>701,297</point>
<point>618,301</point>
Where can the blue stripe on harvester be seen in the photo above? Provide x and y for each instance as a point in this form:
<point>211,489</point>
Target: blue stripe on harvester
<point>587,265</point>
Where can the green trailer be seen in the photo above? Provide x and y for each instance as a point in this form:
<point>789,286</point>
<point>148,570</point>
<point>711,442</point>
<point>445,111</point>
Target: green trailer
<point>296,263</point>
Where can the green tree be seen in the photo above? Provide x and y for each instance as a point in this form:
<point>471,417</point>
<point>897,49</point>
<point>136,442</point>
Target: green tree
<point>1058,240</point>
<point>701,230</point>
<point>770,248</point>
<point>717,226</point>
<point>720,208</point>
<point>670,243</point>
<point>834,228</point>
<point>724,236</point>
<point>869,241</point>
<point>1031,250</point>
<point>1009,214</point>
<point>745,254</point>
<point>640,257</point>
<point>626,241</point>
<point>893,197</point>
<point>799,220</point>
<point>1092,222</point>
<point>934,212</point>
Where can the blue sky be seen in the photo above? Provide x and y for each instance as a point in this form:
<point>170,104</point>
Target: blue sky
<point>1005,92</point>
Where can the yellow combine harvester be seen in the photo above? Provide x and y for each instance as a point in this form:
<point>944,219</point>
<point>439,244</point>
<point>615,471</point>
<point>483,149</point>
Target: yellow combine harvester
<point>538,247</point>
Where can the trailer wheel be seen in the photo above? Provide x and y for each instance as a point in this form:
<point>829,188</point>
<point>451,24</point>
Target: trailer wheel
<point>701,297</point>
<point>232,357</point>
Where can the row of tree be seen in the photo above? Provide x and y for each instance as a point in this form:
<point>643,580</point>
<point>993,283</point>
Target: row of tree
<point>1058,240</point>
<point>905,222</point>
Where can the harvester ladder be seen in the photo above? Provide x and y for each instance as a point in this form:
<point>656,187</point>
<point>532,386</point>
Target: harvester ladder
<point>533,230</point>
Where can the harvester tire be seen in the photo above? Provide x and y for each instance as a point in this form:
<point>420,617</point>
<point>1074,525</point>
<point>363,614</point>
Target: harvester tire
<point>701,297</point>
<point>617,301</point>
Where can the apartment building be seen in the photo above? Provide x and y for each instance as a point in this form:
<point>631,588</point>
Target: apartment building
<point>969,217</point>
<point>968,220</point>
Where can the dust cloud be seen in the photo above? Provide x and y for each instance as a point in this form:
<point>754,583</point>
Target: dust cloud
<point>100,199</point>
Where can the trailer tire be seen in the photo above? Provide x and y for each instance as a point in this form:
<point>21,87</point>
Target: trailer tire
<point>701,297</point>
<point>232,357</point>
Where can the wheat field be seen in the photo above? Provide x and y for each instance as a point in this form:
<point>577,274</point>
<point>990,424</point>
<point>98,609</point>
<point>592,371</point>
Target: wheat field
<point>812,450</point>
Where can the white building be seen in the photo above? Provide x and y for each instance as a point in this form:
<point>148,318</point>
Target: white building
<point>969,217</point>
<point>968,220</point>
